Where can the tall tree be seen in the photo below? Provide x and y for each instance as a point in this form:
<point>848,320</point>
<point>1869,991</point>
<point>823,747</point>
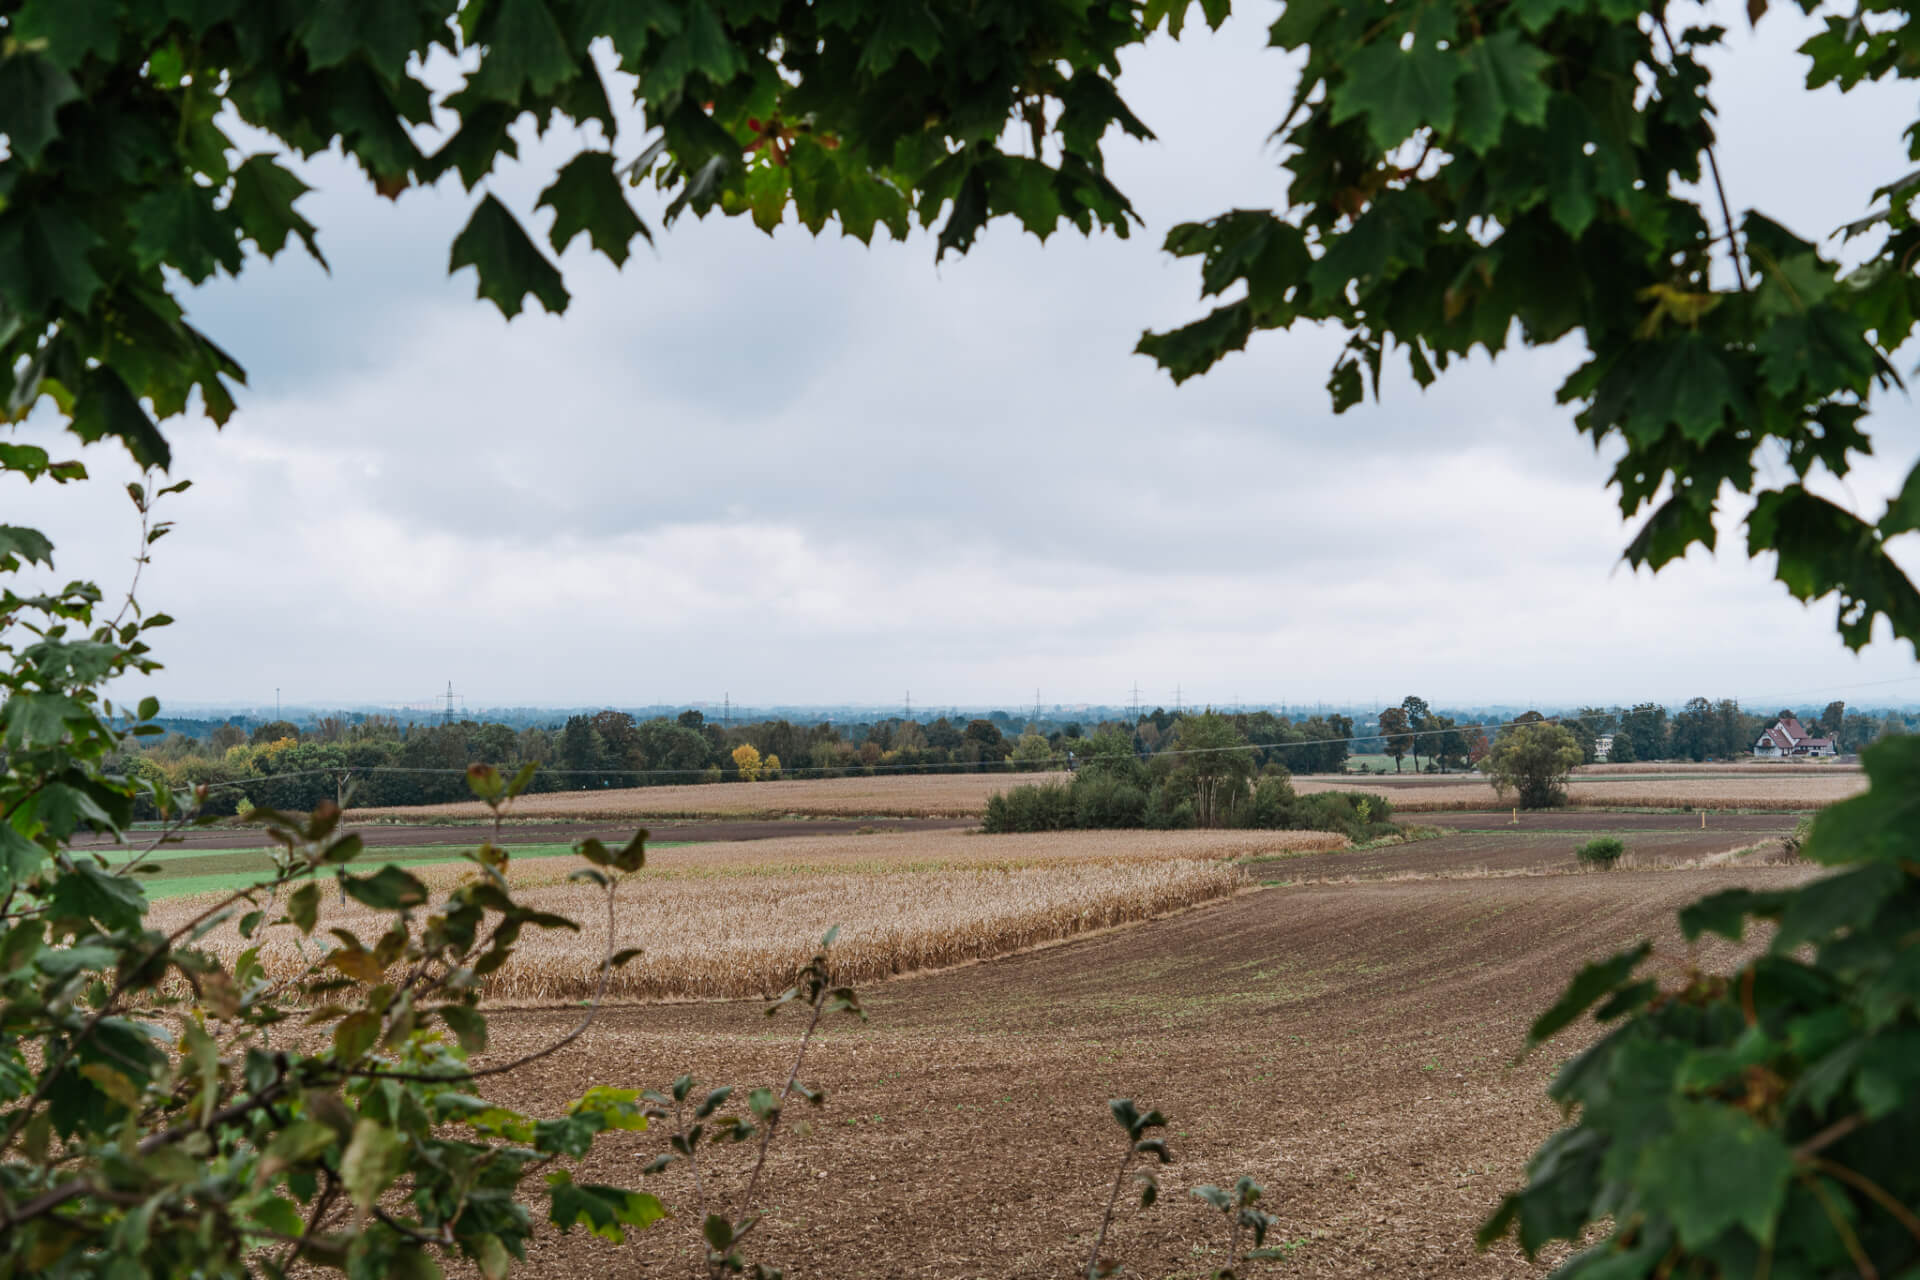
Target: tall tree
<point>1396,734</point>
<point>1418,714</point>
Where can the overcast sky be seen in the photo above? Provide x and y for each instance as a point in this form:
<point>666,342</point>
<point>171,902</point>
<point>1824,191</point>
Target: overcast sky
<point>796,470</point>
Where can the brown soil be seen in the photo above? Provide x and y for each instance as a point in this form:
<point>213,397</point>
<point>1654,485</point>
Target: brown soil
<point>1609,823</point>
<point>1347,1045</point>
<point>1467,852</point>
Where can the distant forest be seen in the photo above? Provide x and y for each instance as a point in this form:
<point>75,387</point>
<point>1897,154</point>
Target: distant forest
<point>368,760</point>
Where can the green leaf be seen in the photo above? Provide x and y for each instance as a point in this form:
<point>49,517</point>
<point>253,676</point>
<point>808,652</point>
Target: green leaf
<point>701,48</point>
<point>1715,1168</point>
<point>586,196</point>
<point>17,544</point>
<point>1822,548</point>
<point>303,906</point>
<point>1903,513</point>
<point>1502,81</point>
<point>44,258</point>
<point>262,201</point>
<point>71,29</point>
<point>386,33</point>
<point>469,1026</point>
<point>32,91</point>
<point>64,962</point>
<point>388,889</point>
<point>88,893</point>
<point>605,1210</point>
<point>20,858</point>
<point>178,225</point>
<point>904,26</point>
<point>106,408</point>
<point>524,49</point>
<point>1568,169</point>
<point>1591,983</point>
<point>1848,900</point>
<point>1726,912</point>
<point>508,264</point>
<point>1398,90</point>
<point>354,1034</point>
<point>372,1160</point>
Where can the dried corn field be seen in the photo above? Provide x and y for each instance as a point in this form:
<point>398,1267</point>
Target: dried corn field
<point>920,852</point>
<point>740,936</point>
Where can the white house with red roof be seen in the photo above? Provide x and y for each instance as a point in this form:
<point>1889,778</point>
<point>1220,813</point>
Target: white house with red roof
<point>1789,737</point>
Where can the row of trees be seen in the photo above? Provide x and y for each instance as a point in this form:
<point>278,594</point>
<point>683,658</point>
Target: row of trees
<point>378,762</point>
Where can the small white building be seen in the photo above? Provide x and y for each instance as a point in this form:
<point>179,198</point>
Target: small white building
<point>1789,737</point>
<point>1602,746</point>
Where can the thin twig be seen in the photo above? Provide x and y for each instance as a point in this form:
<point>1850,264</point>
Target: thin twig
<point>766,1135</point>
<point>580,1029</point>
<point>1100,1236</point>
<point>1873,1191</point>
<point>1828,1136</point>
<point>1861,1262</point>
<point>1713,167</point>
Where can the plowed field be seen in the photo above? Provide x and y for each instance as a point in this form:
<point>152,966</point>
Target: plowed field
<point>1542,842</point>
<point>1346,1044</point>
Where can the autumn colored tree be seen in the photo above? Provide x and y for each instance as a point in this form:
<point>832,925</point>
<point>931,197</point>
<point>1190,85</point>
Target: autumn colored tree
<point>746,761</point>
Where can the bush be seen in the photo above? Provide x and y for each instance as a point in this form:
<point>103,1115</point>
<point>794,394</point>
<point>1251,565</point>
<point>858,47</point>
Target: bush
<point>1167,809</point>
<point>1274,806</point>
<point>1601,851</point>
<point>1046,806</point>
<point>1108,803</point>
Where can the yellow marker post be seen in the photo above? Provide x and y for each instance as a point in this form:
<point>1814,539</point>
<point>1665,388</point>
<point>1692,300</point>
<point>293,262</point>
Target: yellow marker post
<point>1516,817</point>
<point>1703,819</point>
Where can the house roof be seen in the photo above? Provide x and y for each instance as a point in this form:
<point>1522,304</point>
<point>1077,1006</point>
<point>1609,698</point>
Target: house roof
<point>1788,734</point>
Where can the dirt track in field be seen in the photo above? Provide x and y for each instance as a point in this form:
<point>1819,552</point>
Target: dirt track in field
<point>1348,1045</point>
<point>1608,822</point>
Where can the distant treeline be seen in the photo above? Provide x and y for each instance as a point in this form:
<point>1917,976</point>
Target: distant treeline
<point>371,760</point>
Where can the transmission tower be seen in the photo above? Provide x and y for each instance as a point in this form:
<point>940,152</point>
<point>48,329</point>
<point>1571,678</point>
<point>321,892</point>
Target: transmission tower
<point>1136,703</point>
<point>1036,708</point>
<point>909,711</point>
<point>449,714</point>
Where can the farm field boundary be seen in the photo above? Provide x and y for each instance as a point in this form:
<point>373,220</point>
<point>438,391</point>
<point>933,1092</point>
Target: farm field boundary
<point>964,796</point>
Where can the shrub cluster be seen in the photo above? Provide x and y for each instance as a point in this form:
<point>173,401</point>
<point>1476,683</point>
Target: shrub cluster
<point>1601,851</point>
<point>1100,801</point>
